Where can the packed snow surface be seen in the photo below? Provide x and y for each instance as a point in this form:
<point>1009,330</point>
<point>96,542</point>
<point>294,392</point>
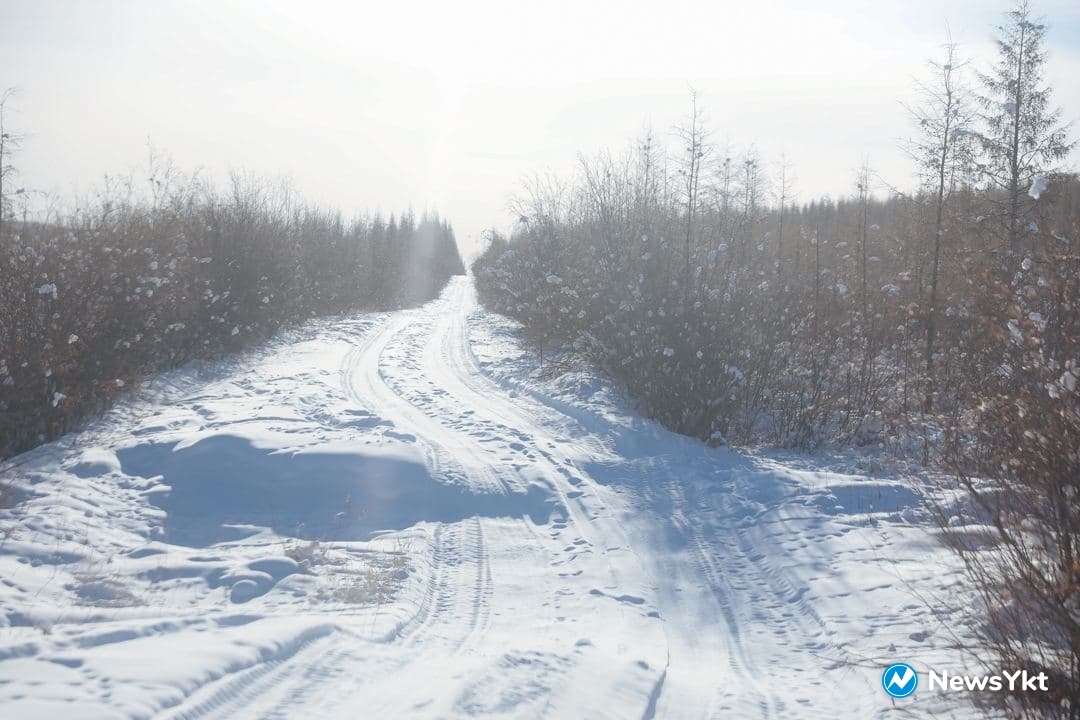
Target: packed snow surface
<point>399,516</point>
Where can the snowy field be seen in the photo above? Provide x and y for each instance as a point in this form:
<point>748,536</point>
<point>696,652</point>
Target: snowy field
<point>396,515</point>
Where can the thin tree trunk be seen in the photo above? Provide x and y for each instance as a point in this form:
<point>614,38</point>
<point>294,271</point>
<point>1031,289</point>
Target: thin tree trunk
<point>1014,169</point>
<point>939,229</point>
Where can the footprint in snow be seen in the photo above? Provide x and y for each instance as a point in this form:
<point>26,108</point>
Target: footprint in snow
<point>631,599</point>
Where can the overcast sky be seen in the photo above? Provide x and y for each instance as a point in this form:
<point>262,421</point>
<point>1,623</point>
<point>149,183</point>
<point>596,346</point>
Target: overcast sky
<point>448,105</point>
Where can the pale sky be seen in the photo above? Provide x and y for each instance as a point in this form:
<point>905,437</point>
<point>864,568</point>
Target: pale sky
<point>448,105</point>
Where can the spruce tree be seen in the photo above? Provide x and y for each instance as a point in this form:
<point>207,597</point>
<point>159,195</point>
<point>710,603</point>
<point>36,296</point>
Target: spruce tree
<point>1022,138</point>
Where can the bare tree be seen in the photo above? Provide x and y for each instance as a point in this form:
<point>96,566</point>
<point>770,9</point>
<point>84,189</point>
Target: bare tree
<point>695,149</point>
<point>9,143</point>
<point>862,185</point>
<point>783,196</point>
<point>646,192</point>
<point>943,152</point>
<point>751,196</point>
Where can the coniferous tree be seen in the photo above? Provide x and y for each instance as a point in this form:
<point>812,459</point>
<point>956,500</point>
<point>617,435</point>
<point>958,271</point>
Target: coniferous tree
<point>1022,138</point>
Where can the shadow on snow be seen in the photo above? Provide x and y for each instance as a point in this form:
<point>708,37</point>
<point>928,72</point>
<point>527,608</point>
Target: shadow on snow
<point>224,488</point>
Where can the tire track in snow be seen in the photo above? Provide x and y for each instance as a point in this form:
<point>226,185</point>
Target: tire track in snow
<point>741,581</point>
<point>411,373</point>
<point>452,613</point>
<point>234,693</point>
<point>701,604</point>
<point>460,573</point>
<point>459,586</point>
<point>529,448</point>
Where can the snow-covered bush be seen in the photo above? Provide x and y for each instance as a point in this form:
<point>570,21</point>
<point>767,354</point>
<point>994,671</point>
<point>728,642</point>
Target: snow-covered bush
<point>819,338</point>
<point>134,285</point>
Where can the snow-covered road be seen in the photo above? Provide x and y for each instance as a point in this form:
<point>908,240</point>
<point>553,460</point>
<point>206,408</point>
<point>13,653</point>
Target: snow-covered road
<point>392,516</point>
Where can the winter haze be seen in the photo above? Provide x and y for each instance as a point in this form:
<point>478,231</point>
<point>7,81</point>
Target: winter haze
<point>379,105</point>
<point>565,360</point>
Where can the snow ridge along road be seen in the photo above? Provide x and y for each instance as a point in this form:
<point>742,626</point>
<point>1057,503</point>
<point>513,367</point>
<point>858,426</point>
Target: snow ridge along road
<point>394,516</point>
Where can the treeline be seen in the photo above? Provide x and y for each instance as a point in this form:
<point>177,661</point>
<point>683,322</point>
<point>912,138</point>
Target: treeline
<point>136,283</point>
<point>793,326</point>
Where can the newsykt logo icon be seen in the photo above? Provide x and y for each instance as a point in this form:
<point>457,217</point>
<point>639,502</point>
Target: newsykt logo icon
<point>899,680</point>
